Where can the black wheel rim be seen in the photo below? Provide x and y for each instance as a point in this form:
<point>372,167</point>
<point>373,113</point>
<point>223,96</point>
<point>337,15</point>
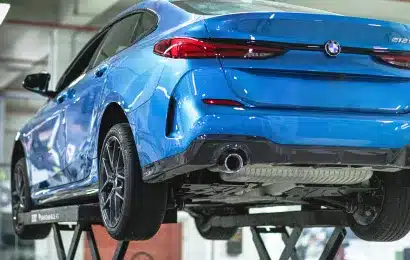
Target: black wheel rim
<point>112,182</point>
<point>370,204</point>
<point>19,196</point>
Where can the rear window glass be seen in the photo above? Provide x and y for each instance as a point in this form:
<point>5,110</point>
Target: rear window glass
<point>215,7</point>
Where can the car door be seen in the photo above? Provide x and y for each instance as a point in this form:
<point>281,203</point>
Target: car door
<point>47,140</point>
<point>84,98</point>
<point>46,145</point>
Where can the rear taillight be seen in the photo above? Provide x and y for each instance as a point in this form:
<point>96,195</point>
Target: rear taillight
<point>402,61</point>
<point>185,48</point>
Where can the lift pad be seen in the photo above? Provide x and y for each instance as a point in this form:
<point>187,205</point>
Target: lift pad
<point>83,216</point>
<point>88,213</point>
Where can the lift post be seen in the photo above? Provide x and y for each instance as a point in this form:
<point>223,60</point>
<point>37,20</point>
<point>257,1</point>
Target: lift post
<point>298,220</point>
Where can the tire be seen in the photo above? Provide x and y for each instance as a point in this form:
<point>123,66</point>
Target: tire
<point>393,221</point>
<point>138,216</point>
<point>214,233</point>
<point>20,176</point>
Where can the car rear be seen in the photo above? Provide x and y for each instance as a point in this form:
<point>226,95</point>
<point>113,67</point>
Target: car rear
<point>287,108</point>
<point>332,87</point>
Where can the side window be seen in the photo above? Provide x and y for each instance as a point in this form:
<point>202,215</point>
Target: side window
<point>80,63</point>
<point>145,25</point>
<point>118,38</point>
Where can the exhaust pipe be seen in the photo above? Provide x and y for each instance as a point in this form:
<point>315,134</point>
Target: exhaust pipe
<point>229,163</point>
<point>233,162</point>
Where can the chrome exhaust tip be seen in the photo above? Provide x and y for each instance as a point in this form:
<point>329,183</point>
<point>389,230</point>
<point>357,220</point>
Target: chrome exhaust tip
<point>229,163</point>
<point>232,163</point>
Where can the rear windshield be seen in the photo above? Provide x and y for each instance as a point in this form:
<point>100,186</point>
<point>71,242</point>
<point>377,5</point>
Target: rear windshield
<point>215,7</point>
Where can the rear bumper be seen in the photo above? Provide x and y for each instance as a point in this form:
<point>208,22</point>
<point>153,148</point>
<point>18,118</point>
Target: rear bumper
<point>205,150</point>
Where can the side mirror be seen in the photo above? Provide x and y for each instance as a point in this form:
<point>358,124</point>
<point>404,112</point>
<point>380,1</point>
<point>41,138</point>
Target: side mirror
<point>38,83</point>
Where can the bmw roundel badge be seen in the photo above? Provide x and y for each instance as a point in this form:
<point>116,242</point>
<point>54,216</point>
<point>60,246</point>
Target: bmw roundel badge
<point>332,48</point>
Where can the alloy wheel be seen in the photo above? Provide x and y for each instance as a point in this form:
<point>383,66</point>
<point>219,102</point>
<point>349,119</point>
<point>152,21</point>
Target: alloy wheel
<point>112,182</point>
<point>19,195</point>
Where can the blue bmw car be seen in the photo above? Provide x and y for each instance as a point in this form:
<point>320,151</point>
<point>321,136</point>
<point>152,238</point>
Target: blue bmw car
<point>215,107</point>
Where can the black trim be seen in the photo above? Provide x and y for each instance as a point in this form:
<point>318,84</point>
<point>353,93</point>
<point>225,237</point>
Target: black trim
<point>205,150</point>
<point>330,75</point>
<point>169,128</point>
<point>306,47</point>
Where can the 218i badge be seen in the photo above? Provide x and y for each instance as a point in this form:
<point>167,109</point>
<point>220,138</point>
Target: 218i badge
<point>332,48</point>
<point>400,40</point>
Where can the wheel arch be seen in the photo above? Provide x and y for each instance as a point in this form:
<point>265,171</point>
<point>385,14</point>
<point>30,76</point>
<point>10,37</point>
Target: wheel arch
<point>112,115</point>
<point>18,153</point>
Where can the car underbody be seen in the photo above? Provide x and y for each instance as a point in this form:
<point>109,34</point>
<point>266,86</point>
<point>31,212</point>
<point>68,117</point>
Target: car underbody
<point>205,188</point>
<point>244,172</point>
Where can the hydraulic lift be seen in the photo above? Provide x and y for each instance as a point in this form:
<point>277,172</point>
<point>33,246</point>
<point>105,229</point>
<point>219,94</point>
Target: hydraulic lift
<point>83,216</point>
<point>298,220</point>
<point>89,214</point>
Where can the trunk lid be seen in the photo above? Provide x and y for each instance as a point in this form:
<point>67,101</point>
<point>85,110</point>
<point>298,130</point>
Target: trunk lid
<point>305,77</point>
<point>307,28</point>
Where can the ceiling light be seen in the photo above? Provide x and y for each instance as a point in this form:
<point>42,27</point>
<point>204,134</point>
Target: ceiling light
<point>4,9</point>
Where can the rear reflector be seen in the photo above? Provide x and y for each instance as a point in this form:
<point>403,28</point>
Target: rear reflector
<point>402,61</point>
<point>222,102</point>
<point>185,48</point>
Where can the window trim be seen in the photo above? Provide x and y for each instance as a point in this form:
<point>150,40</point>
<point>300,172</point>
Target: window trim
<point>152,29</point>
<point>78,57</point>
<point>119,19</point>
<point>105,30</point>
<point>139,10</point>
<point>111,27</point>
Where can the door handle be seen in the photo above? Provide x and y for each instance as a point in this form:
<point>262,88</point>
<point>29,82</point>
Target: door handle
<point>61,98</point>
<point>67,95</point>
<point>100,71</point>
<point>70,93</point>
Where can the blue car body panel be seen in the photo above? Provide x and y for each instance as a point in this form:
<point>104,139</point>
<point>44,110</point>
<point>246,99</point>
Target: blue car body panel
<point>308,28</point>
<point>301,97</point>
